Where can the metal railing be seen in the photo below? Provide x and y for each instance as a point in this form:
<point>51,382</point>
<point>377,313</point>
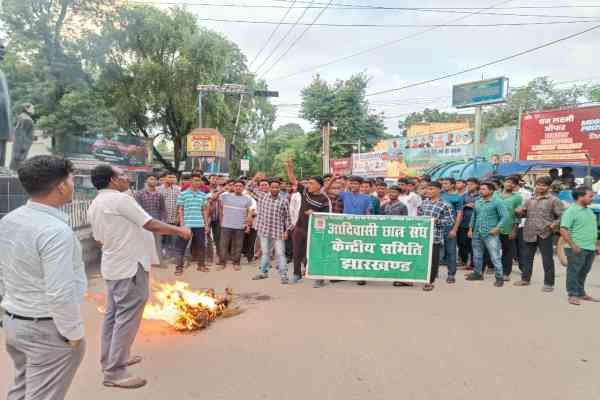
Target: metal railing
<point>77,213</point>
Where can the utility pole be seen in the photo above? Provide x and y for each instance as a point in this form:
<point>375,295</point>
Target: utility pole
<point>326,132</point>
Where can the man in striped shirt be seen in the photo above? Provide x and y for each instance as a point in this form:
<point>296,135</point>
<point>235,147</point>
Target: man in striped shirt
<point>192,214</point>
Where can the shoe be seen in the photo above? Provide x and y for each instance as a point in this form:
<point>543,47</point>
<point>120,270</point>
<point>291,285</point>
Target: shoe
<point>361,283</point>
<point>428,287</point>
<point>450,279</point>
<point>474,276</point>
<point>296,279</point>
<point>547,288</point>
<point>259,277</point>
<point>318,283</point>
<point>499,282</point>
<point>522,283</point>
<point>221,266</point>
<point>506,278</point>
<point>127,383</point>
<point>284,281</point>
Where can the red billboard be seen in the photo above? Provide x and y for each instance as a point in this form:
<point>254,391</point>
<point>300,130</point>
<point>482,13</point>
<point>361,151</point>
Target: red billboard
<point>561,135</point>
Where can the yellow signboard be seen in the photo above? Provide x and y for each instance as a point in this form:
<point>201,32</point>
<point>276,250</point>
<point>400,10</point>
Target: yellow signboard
<point>430,128</point>
<point>205,142</point>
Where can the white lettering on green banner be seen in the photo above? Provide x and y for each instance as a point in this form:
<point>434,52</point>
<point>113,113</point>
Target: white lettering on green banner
<point>369,247</point>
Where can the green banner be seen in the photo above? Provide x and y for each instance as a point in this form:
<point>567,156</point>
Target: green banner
<point>369,247</point>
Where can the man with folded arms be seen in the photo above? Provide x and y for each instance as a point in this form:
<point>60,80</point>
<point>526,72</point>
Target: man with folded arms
<point>42,283</point>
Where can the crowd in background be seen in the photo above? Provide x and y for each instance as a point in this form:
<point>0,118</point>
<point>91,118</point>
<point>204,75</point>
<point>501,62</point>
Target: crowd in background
<point>480,226</point>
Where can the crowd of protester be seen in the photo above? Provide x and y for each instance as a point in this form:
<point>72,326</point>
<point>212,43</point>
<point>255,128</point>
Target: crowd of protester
<point>480,226</point>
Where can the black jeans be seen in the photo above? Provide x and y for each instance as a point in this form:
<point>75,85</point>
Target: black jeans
<point>519,252</point>
<point>547,249</point>
<point>435,262</point>
<point>232,241</point>
<point>198,247</point>
<point>299,237</point>
<point>248,246</point>
<point>508,254</point>
<point>464,244</point>
<point>215,228</point>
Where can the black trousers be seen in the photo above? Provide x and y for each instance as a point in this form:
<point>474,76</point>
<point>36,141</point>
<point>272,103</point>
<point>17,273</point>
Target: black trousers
<point>435,262</point>
<point>198,247</point>
<point>232,242</point>
<point>464,244</point>
<point>248,246</point>
<point>547,249</point>
<point>299,238</point>
<point>215,228</point>
<point>508,253</point>
<point>519,252</point>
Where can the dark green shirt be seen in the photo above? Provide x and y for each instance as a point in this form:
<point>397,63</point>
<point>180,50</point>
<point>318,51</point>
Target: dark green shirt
<point>511,202</point>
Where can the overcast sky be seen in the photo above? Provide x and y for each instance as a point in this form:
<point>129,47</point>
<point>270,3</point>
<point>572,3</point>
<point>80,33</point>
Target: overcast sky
<point>428,55</point>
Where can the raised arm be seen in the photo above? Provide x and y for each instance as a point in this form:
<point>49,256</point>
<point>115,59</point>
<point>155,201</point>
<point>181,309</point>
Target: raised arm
<point>289,166</point>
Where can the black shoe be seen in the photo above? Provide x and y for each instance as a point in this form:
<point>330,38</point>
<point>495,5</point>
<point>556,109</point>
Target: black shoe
<point>474,276</point>
<point>451,280</point>
<point>361,283</point>
<point>499,282</point>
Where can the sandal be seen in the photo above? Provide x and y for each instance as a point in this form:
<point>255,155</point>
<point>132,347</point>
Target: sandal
<point>574,301</point>
<point>590,298</point>
<point>428,287</point>
<point>202,268</point>
<point>237,267</point>
<point>179,270</point>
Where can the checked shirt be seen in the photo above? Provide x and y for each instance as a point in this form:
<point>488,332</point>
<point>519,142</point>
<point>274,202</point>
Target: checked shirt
<point>273,216</point>
<point>442,214</point>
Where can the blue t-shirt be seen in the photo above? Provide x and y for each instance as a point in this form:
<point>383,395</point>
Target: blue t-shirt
<point>455,201</point>
<point>357,204</point>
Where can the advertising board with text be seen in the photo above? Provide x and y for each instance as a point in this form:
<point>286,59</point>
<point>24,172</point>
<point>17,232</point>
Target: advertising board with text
<point>369,247</point>
<point>561,135</point>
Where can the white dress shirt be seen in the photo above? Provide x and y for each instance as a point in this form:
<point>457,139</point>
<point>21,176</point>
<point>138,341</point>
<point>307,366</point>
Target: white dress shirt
<point>295,205</point>
<point>41,269</point>
<point>118,223</point>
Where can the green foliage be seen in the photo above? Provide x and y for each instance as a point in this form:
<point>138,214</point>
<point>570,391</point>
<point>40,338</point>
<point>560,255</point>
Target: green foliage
<point>156,60</point>
<point>287,141</point>
<point>595,93</point>
<point>539,94</point>
<point>344,104</point>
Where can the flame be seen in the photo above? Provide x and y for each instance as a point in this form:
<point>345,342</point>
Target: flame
<point>183,308</point>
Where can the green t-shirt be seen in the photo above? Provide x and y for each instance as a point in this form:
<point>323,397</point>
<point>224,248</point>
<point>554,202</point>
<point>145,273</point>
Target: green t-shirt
<point>581,224</point>
<point>511,203</point>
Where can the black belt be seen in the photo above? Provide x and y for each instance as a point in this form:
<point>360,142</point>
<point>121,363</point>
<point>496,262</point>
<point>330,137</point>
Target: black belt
<point>15,316</point>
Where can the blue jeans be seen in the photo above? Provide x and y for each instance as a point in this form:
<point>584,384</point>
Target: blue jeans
<point>449,253</point>
<point>494,248</point>
<point>266,243</point>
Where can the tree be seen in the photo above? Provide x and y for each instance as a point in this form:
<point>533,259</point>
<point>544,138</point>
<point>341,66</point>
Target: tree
<point>539,94</point>
<point>595,93</point>
<point>431,115</point>
<point>156,60</point>
<point>46,43</point>
<point>344,104</point>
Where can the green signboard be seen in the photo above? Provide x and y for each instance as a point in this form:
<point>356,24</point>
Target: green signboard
<point>369,247</point>
<point>489,91</point>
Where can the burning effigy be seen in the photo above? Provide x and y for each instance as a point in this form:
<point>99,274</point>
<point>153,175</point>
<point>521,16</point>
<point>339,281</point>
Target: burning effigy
<point>186,309</point>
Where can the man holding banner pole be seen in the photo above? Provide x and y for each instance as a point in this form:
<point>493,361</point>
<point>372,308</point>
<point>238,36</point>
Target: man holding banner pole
<point>434,207</point>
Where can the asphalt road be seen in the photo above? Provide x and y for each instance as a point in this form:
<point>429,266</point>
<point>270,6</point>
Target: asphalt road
<point>465,341</point>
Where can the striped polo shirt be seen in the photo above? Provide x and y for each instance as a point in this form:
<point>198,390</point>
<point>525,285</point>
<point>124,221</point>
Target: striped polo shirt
<point>193,203</point>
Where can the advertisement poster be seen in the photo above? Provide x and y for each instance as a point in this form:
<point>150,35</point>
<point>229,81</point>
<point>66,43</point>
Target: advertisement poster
<point>428,150</point>
<point>499,145</point>
<point>369,247</point>
<point>127,151</point>
<point>394,157</point>
<point>205,142</point>
<point>369,165</point>
<point>561,135</point>
<point>341,166</point>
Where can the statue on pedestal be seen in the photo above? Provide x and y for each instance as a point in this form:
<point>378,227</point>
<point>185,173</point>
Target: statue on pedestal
<point>23,136</point>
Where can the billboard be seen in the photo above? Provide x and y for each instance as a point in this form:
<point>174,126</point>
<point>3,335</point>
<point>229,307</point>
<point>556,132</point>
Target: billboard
<point>429,128</point>
<point>561,135</point>
<point>129,152</point>
<point>472,94</point>
<point>205,142</point>
<point>428,150</point>
<point>341,166</point>
<point>393,157</point>
<point>369,165</point>
<point>499,144</point>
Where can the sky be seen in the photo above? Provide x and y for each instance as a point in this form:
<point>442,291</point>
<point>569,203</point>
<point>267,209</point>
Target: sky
<point>425,53</point>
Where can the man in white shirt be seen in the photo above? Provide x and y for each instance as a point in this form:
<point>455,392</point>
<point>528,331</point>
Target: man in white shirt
<point>125,232</point>
<point>42,283</point>
<point>411,200</point>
